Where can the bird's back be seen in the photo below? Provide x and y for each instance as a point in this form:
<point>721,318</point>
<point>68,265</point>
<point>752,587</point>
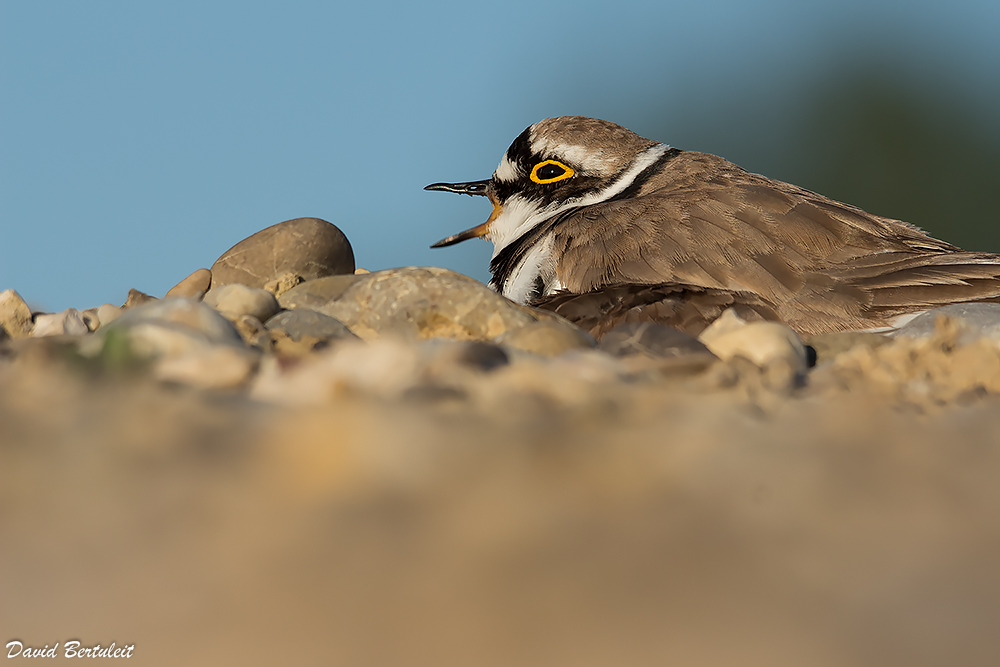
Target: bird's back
<point>819,265</point>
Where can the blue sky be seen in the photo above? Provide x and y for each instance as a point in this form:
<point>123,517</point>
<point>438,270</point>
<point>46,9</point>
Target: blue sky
<point>140,140</point>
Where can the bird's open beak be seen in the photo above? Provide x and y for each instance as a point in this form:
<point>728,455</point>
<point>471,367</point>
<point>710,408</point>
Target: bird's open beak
<point>480,188</point>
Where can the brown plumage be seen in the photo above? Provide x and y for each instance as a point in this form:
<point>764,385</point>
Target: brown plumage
<point>694,233</point>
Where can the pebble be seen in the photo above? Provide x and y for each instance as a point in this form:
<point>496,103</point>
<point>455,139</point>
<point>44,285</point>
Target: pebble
<point>976,319</point>
<point>546,338</point>
<point>108,313</point>
<point>651,340</point>
<point>15,316</point>
<point>69,322</point>
<point>762,343</point>
<point>283,283</point>
<point>252,331</point>
<point>302,322</point>
<point>91,319</point>
<point>215,367</point>
<point>424,302</point>
<point>306,247</point>
<point>195,285</point>
<point>390,368</point>
<point>187,342</point>
<point>137,298</point>
<point>313,294</point>
<point>236,300</point>
<point>185,312</point>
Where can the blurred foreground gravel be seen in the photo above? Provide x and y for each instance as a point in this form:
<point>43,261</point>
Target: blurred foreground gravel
<point>398,468</point>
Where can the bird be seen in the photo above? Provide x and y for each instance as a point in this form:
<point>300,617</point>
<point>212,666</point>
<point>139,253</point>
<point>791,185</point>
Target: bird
<point>604,227</point>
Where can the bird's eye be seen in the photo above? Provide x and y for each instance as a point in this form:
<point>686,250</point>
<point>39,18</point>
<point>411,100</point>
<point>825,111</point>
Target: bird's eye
<point>550,171</point>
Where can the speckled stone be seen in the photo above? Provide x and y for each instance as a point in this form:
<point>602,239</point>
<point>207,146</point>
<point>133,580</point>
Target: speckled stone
<point>424,302</point>
<point>306,247</point>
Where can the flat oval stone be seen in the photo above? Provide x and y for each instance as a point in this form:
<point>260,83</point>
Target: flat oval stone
<point>199,281</point>
<point>306,247</point>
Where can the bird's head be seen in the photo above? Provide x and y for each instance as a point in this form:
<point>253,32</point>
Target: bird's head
<point>555,165</point>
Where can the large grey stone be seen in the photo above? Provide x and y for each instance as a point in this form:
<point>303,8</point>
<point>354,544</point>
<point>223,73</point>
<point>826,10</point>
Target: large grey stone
<point>306,247</point>
<point>425,302</point>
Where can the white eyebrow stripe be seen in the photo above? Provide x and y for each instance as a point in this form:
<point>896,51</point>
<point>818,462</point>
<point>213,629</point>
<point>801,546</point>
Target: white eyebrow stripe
<point>508,171</point>
<point>586,158</point>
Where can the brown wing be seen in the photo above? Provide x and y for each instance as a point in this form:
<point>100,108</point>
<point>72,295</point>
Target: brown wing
<point>684,307</point>
<point>819,264</point>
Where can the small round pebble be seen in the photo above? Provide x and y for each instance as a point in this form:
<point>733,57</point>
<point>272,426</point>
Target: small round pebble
<point>236,300</point>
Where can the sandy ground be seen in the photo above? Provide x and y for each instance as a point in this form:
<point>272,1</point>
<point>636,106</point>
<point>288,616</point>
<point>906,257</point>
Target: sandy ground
<point>851,522</point>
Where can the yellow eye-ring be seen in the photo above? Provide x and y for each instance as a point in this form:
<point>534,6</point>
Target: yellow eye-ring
<point>550,171</point>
